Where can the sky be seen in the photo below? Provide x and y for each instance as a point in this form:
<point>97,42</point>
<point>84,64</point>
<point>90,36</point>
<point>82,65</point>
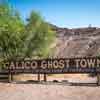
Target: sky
<point>63,13</point>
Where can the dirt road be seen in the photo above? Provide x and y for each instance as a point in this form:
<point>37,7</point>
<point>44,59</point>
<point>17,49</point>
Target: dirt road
<point>48,92</point>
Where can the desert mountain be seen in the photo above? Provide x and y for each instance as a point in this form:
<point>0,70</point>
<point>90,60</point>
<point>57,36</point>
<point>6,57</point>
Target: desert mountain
<point>79,42</point>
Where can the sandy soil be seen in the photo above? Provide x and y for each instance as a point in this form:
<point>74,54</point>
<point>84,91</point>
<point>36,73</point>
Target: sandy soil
<point>70,77</point>
<point>47,92</point>
<point>50,91</point>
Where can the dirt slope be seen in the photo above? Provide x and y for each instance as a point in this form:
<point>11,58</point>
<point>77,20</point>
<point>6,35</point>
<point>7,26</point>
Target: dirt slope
<point>78,42</point>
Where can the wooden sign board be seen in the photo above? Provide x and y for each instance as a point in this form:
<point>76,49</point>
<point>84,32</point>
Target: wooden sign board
<point>55,66</point>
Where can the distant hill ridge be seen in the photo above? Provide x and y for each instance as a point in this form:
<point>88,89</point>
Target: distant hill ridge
<point>76,42</point>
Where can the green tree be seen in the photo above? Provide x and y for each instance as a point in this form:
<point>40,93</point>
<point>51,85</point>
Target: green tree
<point>19,40</point>
<point>41,36</point>
<point>11,33</point>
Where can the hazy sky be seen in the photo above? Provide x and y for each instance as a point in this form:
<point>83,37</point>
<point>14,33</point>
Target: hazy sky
<point>64,13</point>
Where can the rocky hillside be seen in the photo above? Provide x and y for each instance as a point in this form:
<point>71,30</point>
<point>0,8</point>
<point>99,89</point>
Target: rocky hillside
<point>77,42</point>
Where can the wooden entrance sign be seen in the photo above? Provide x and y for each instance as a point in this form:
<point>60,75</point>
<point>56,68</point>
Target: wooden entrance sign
<point>55,66</point>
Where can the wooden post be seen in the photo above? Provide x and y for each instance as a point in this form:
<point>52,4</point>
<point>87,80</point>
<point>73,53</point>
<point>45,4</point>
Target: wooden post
<point>98,78</point>
<point>45,77</point>
<point>10,77</point>
<point>38,77</point>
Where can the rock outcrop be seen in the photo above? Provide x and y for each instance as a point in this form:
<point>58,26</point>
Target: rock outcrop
<point>79,42</point>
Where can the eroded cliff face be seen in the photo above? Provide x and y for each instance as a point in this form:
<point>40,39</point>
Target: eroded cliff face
<point>78,42</point>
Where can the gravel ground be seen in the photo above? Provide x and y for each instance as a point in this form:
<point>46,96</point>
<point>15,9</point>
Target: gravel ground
<point>47,92</point>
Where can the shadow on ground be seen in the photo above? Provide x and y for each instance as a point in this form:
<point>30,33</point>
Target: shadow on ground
<point>54,82</point>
